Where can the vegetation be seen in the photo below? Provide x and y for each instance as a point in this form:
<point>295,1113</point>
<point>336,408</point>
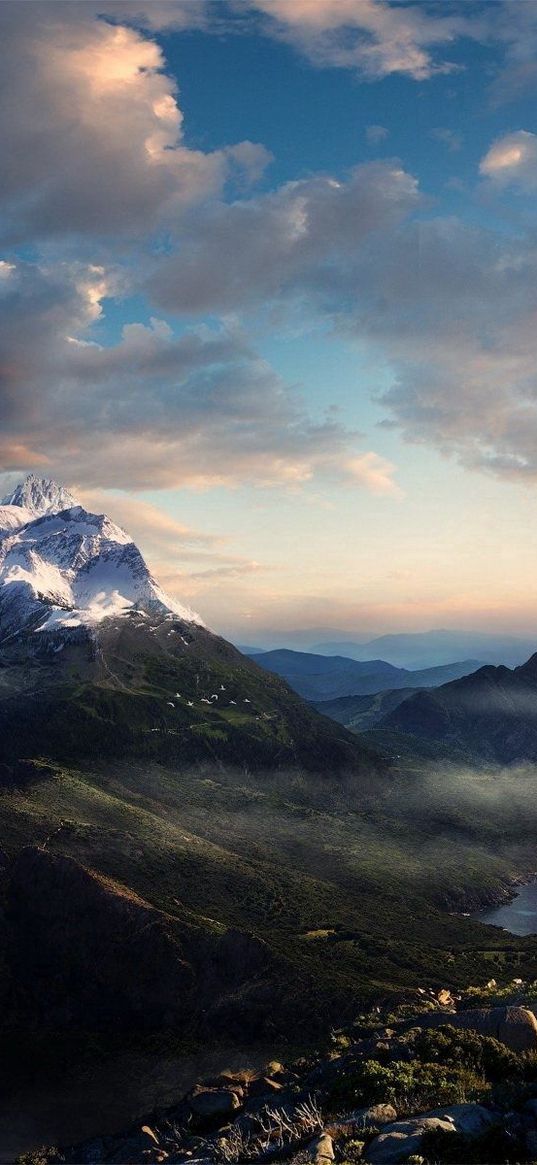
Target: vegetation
<point>347,1093</point>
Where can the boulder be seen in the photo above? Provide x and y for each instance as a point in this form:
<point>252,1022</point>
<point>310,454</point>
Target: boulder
<point>469,1119</point>
<point>516,1027</point>
<point>264,1086</point>
<point>214,1103</point>
<point>373,1116</point>
<point>402,1140</point>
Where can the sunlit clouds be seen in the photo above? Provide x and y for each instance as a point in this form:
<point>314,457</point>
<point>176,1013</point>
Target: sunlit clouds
<point>268,295</point>
<point>512,160</point>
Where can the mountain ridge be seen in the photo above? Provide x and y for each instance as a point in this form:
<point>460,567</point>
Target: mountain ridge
<point>493,712</point>
<point>320,677</point>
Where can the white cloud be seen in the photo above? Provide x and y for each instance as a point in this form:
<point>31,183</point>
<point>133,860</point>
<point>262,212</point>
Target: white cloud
<point>373,472</point>
<point>512,160</point>
<point>375,37</point>
<point>94,141</point>
<point>447,311</point>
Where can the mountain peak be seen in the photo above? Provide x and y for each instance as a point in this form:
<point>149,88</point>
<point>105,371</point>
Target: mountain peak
<point>40,495</point>
<point>62,567</point>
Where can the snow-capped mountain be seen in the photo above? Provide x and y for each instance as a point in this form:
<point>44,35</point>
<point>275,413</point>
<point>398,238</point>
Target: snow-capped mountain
<point>62,567</point>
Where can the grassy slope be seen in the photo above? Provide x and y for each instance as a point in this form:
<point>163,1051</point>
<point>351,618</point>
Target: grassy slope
<point>339,879</point>
<point>118,697</point>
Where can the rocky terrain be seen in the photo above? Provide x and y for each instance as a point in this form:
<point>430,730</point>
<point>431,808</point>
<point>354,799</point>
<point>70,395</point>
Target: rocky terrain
<point>436,1079</point>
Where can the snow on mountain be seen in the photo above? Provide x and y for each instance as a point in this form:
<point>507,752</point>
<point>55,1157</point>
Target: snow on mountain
<point>63,567</point>
<point>40,495</point>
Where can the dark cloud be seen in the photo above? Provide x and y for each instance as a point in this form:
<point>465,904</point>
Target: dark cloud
<point>236,254</point>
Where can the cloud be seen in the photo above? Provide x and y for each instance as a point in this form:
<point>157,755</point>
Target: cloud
<point>372,36</point>
<point>445,311</point>
<point>513,26</point>
<point>447,137</point>
<point>94,144</point>
<point>373,472</point>
<point>512,161</point>
<point>236,254</point>
<point>147,522</point>
<point>154,410</point>
<point>95,147</point>
<point>376,134</point>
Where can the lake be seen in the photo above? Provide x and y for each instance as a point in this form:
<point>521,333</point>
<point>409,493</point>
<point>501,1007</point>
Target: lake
<point>518,916</point>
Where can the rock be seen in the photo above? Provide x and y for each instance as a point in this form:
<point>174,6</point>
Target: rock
<point>402,1140</point>
<point>147,1132</point>
<point>264,1086</point>
<point>321,1149</point>
<point>516,1027</point>
<point>373,1116</point>
<point>445,997</point>
<point>214,1102</point>
<point>469,1119</point>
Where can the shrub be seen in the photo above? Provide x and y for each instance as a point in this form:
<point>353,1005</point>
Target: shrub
<point>482,1054</point>
<point>42,1156</point>
<point>409,1086</point>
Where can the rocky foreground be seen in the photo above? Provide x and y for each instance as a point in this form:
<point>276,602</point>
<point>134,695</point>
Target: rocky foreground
<point>435,1080</point>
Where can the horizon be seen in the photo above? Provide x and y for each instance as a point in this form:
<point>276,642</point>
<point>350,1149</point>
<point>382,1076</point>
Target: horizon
<point>269,299</point>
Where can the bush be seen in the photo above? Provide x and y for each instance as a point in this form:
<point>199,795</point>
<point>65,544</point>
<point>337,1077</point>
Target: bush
<point>482,1054</point>
<point>409,1086</point>
<point>41,1156</point>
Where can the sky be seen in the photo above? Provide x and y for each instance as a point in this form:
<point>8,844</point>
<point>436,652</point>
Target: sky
<point>269,298</point>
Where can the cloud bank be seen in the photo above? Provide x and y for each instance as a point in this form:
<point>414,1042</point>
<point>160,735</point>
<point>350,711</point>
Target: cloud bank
<point>104,197</point>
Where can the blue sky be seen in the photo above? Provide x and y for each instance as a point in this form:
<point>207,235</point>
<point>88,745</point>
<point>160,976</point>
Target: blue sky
<point>268,270</point>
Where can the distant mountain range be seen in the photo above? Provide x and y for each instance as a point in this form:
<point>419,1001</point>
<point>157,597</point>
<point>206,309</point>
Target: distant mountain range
<point>426,649</point>
<point>492,713</point>
<point>319,677</point>
<point>414,651</point>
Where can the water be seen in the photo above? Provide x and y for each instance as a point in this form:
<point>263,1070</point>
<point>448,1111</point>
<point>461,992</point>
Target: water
<point>519,916</point>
